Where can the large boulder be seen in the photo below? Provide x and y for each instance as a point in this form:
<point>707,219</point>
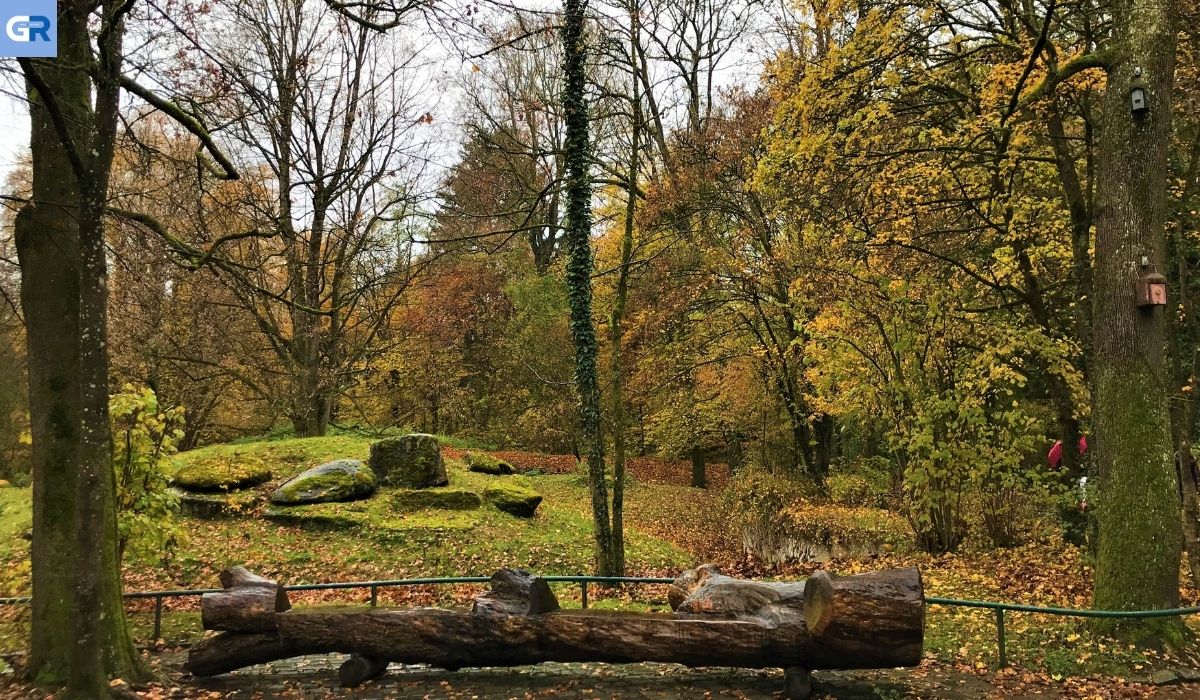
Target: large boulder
<point>341,480</point>
<point>513,499</point>
<point>219,476</point>
<point>487,464</point>
<point>412,461</point>
<point>407,500</point>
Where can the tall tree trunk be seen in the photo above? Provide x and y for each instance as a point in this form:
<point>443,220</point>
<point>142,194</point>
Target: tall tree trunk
<point>619,422</point>
<point>1139,527</point>
<point>79,630</point>
<point>579,273</point>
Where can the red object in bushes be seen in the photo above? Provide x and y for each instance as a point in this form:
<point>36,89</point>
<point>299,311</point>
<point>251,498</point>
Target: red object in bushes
<point>1054,457</point>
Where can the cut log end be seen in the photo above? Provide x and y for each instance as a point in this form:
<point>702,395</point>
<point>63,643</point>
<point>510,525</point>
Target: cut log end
<point>359,669</point>
<point>516,592</point>
<point>818,603</point>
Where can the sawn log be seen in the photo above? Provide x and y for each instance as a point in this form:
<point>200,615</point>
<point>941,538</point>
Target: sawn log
<point>867,621</point>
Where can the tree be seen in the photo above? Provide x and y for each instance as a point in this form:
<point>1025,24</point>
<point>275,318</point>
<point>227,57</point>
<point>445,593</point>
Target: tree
<point>579,275</point>
<point>79,630</point>
<point>326,106</point>
<point>1137,558</point>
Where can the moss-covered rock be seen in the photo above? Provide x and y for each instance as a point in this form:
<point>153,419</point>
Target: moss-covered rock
<point>487,464</point>
<point>512,499</point>
<point>324,516</point>
<point>217,505</point>
<point>341,480</point>
<point>411,461</point>
<point>219,475</point>
<point>408,500</point>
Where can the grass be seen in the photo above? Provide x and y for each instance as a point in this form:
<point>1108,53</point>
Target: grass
<point>669,528</point>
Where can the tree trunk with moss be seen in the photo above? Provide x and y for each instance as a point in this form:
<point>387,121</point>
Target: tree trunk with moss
<point>1139,527</point>
<point>579,273</point>
<point>79,634</point>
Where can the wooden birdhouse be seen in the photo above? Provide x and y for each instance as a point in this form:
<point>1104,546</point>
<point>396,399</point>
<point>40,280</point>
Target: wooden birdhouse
<point>1151,290</point>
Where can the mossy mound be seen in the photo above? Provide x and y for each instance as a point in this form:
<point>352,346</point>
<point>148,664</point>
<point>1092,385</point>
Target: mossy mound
<point>411,461</point>
<point>512,499</point>
<point>340,480</point>
<point>330,516</point>
<point>407,500</point>
<point>230,473</point>
<point>487,464</point>
<point>217,505</point>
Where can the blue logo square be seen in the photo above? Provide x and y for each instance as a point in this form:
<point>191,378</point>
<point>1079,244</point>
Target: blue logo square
<point>29,28</point>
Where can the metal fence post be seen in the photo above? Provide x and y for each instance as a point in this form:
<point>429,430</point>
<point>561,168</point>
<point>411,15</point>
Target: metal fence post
<point>158,617</point>
<point>583,589</point>
<point>374,595</point>
<point>1000,640</point>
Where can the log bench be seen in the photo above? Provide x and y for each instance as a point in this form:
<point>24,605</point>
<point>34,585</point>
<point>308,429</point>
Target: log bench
<point>873,620</point>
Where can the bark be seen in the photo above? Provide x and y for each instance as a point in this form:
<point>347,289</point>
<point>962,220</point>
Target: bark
<point>579,275</point>
<point>1137,557</point>
<point>248,603</point>
<point>767,630</point>
<point>699,478</point>
<point>79,633</point>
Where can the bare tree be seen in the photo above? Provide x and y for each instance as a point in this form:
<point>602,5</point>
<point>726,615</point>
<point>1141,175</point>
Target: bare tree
<point>327,106</point>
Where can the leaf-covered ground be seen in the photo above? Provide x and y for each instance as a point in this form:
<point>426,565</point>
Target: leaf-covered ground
<point>670,527</point>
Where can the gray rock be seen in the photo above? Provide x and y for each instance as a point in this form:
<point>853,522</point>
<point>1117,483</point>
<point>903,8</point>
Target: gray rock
<point>341,480</point>
<point>1164,677</point>
<point>412,461</point>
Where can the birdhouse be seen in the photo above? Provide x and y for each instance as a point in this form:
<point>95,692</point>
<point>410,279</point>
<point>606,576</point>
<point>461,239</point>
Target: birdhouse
<point>1139,95</point>
<point>1151,290</point>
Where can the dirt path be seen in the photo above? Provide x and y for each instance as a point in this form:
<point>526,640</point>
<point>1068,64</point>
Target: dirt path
<point>315,677</point>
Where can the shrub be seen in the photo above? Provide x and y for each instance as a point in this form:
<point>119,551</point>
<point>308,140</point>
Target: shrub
<point>143,435</point>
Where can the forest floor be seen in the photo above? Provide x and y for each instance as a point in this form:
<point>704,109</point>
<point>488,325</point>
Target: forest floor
<point>671,526</point>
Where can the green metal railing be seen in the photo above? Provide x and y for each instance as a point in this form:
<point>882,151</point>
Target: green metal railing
<point>1001,608</point>
<point>583,581</point>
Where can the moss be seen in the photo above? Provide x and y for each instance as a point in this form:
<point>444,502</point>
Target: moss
<point>228,474</point>
<point>1140,535</point>
<point>512,499</point>
<point>484,463</point>
<point>411,461</point>
<point>318,515</point>
<point>442,498</point>
<point>217,505</point>
<point>341,480</point>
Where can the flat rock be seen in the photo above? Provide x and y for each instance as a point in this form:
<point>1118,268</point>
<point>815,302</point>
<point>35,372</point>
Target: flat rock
<point>341,480</point>
<point>222,476</point>
<point>486,464</point>
<point>512,499</point>
<point>411,461</point>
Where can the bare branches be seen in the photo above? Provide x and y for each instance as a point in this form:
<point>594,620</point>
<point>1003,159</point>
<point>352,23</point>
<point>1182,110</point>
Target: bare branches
<point>187,121</point>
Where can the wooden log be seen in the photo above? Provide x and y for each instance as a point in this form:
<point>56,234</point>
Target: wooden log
<point>359,669</point>
<point>516,592</point>
<point>771,630</point>
<point>706,591</point>
<point>857,614</point>
<point>249,603</point>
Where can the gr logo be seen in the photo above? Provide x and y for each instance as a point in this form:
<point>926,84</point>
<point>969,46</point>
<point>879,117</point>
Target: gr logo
<point>29,28</point>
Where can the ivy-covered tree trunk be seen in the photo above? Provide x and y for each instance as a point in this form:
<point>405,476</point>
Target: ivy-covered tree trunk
<point>1139,528</point>
<point>579,273</point>
<point>79,633</point>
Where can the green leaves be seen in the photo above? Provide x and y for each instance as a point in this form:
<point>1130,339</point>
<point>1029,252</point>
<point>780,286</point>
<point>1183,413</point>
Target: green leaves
<point>143,436</point>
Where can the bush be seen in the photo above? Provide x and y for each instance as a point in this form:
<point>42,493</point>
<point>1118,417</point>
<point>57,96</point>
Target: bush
<point>143,435</point>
